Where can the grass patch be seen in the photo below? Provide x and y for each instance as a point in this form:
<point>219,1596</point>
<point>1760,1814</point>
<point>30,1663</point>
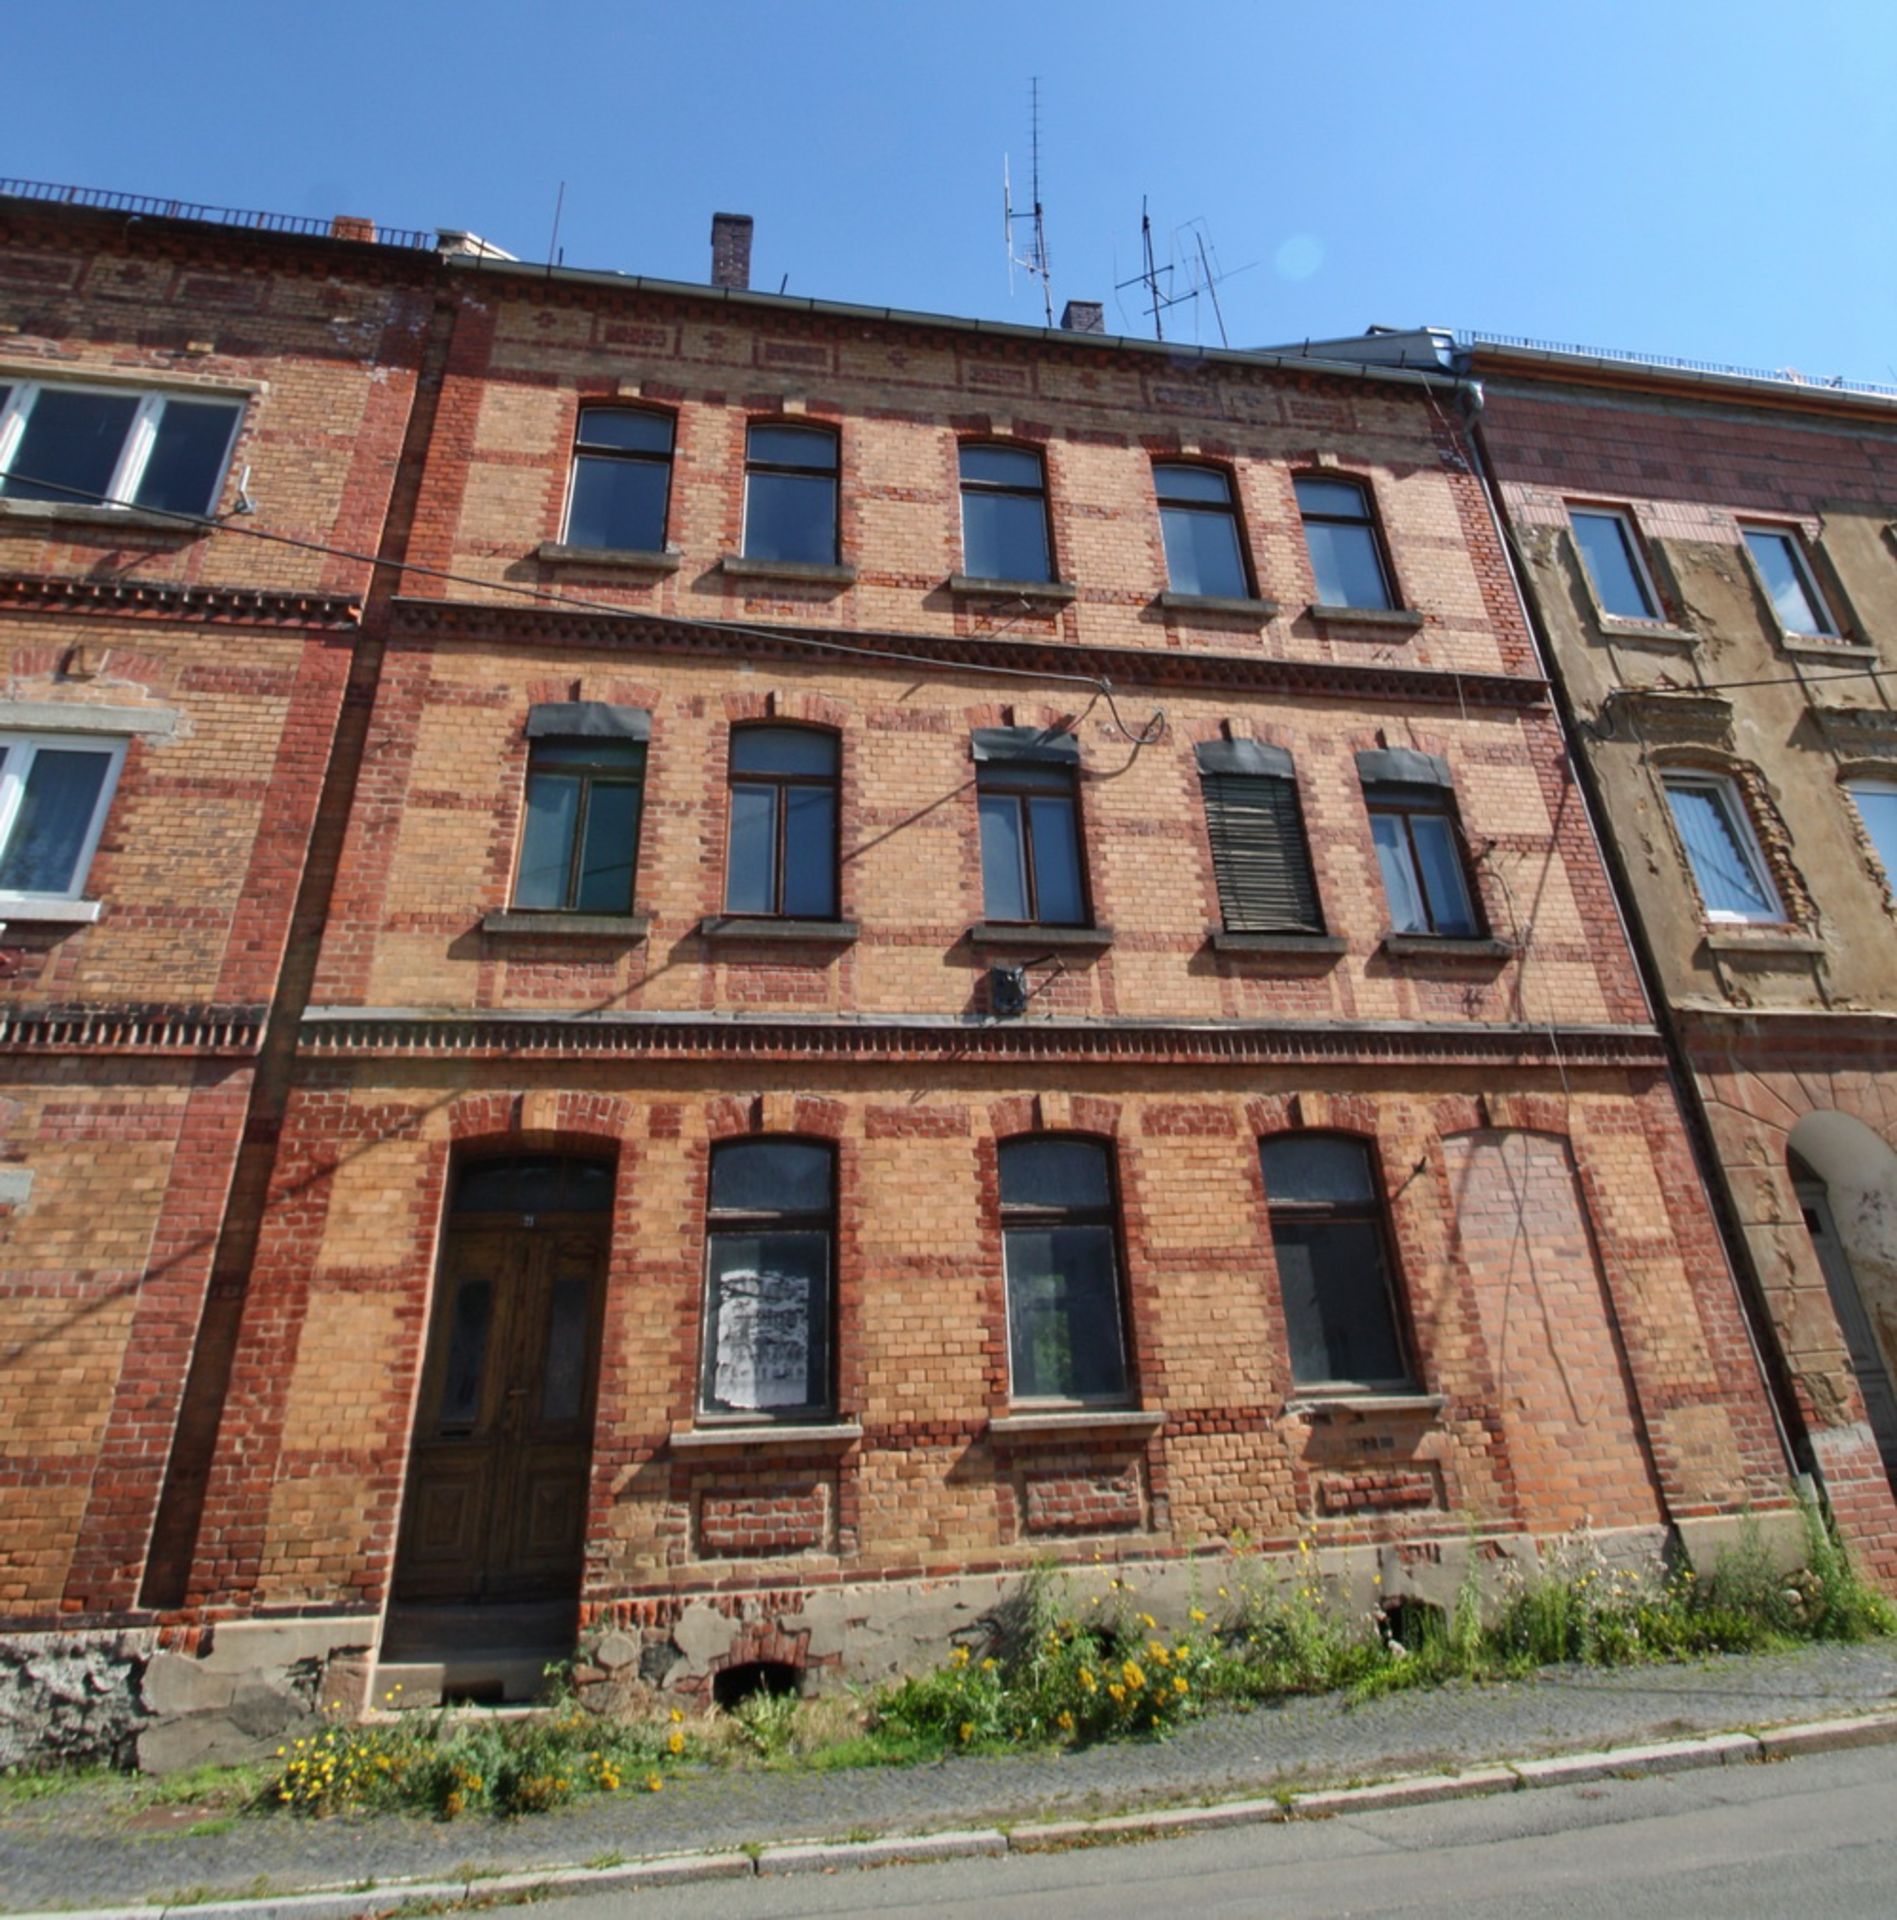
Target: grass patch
<point>25,1787</point>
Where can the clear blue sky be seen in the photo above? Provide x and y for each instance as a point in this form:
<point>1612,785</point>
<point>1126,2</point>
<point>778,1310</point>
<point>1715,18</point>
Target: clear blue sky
<point>1711,178</point>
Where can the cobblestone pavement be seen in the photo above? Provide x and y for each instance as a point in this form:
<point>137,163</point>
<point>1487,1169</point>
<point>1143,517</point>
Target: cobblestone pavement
<point>89,1847</point>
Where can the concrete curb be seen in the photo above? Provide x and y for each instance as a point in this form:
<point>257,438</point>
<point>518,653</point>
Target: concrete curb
<point>1326,1803</point>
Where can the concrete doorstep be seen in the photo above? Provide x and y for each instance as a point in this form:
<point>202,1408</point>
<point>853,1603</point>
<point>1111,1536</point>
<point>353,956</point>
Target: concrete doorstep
<point>888,1850</point>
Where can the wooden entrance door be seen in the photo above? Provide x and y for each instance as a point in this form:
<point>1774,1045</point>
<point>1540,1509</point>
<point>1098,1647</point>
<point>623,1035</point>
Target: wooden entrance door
<point>496,1500</point>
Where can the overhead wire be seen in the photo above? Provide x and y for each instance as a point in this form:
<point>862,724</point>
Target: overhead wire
<point>1099,684</point>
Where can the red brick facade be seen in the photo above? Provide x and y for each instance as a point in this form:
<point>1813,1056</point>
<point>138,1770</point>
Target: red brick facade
<point>359,760</point>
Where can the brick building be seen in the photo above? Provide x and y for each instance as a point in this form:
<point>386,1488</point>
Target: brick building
<point>922,943</point>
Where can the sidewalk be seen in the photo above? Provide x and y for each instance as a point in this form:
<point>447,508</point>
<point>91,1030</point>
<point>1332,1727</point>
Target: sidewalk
<point>90,1848</point>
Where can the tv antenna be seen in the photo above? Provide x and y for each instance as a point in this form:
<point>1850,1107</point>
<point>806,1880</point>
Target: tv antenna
<point>1174,284</point>
<point>1031,258</point>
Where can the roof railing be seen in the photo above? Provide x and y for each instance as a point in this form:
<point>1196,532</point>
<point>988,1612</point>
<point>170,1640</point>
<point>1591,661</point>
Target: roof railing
<point>1785,376</point>
<point>151,206</point>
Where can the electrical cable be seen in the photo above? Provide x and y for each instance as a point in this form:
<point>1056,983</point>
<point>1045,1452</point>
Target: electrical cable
<point>1101,686</point>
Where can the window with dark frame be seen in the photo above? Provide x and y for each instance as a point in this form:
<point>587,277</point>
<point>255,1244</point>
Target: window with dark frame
<point>1346,549</point>
<point>1004,514</point>
<point>769,1280</point>
<point>790,493</point>
<point>1059,1222</point>
<point>1261,856</point>
<point>1616,569</point>
<point>579,842</point>
<point>55,790</point>
<point>1199,522</point>
<point>1419,849</point>
<point>622,480</point>
<point>110,446</point>
<point>1030,843</point>
<point>781,855</point>
<point>1330,1240</point>
<point>1790,585</point>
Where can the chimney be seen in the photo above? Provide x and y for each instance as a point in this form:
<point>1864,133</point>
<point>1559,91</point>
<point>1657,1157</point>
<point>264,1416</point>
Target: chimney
<point>351,226</point>
<point>731,251</point>
<point>1083,316</point>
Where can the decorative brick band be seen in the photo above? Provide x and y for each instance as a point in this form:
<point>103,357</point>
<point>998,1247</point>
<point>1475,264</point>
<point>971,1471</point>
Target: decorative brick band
<point>222,1031</point>
<point>1083,1502</point>
<point>159,600</point>
<point>562,627</point>
<point>507,1036</point>
<point>1394,1492</point>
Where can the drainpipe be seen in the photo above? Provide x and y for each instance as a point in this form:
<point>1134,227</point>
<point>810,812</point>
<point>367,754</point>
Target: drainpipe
<point>1773,1373</point>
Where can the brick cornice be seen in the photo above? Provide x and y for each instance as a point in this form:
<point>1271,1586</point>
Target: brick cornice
<point>507,1035</point>
<point>564,628</point>
<point>144,1029</point>
<point>161,600</point>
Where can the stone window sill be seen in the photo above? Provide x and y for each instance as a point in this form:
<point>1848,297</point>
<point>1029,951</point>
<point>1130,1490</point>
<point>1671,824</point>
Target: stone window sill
<point>811,572</point>
<point>1003,933</point>
<point>740,926</point>
<point>1056,592</point>
<point>1256,610</point>
<point>1394,619</point>
<point>557,554</point>
<point>52,913</point>
<point>1321,946</point>
<point>1322,1403</point>
<point>1436,946</point>
<point>1618,627</point>
<point>73,513</point>
<point>1810,646</point>
<point>1763,941</point>
<point>1056,1423</point>
<point>569,926</point>
<point>762,1434</point>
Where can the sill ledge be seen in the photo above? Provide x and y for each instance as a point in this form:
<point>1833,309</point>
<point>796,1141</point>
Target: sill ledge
<point>53,913</point>
<point>569,926</point>
<point>1811,647</point>
<point>1322,1405</point>
<point>632,559</point>
<point>1294,945</point>
<point>1259,610</point>
<point>1053,1425</point>
<point>764,1434</point>
<point>738,926</point>
<point>1767,940</point>
<point>1005,933</point>
<point>1617,626</point>
<point>87,516</point>
<point>1057,591</point>
<point>821,573</point>
<point>1399,619</point>
<point>1433,946</point>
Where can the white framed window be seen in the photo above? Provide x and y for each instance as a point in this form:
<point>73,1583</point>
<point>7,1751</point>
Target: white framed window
<point>1785,570</point>
<point>1616,567</point>
<point>1876,802</point>
<point>1734,883</point>
<point>80,446</point>
<point>55,789</point>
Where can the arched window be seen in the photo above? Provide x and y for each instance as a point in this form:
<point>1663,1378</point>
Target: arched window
<point>781,856</point>
<point>1331,1242</point>
<point>1004,514</point>
<point>1059,1223</point>
<point>769,1279</point>
<point>790,493</point>
<point>1346,549</point>
<point>622,480</point>
<point>1204,554</point>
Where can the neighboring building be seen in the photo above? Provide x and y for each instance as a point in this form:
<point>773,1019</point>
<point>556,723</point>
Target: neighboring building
<point>1712,560</point>
<point>940,943</point>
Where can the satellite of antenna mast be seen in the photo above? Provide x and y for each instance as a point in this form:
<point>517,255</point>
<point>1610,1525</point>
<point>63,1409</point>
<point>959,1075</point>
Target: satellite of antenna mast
<point>1032,258</point>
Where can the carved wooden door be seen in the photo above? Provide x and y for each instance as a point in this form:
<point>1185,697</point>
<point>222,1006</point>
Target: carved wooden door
<point>496,1500</point>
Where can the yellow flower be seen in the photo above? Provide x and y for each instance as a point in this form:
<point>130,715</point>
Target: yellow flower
<point>1148,1622</point>
<point>1118,1692</point>
<point>1223,1595</point>
<point>1180,1684</point>
<point>1132,1674</point>
<point>1087,1680</point>
<point>959,1658</point>
<point>653,1783</point>
<point>677,1716</point>
<point>968,1730</point>
<point>1198,1616</point>
<point>677,1742</point>
<point>1065,1721</point>
<point>989,1665</point>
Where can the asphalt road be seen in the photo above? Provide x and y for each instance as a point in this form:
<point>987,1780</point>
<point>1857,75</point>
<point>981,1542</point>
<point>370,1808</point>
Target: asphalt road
<point>1813,1838</point>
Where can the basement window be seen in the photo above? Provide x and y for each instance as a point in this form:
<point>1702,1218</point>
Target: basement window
<point>109,447</point>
